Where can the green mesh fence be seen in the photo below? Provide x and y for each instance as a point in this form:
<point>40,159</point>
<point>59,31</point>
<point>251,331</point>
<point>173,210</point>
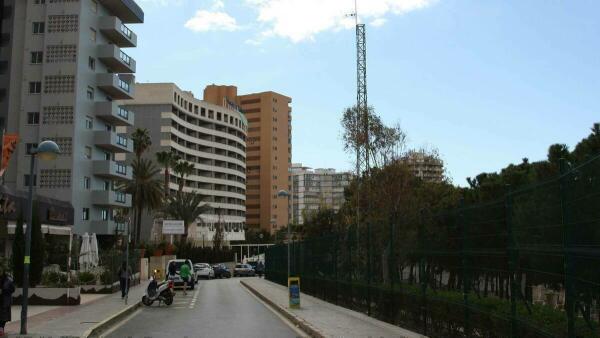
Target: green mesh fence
<point>527,265</point>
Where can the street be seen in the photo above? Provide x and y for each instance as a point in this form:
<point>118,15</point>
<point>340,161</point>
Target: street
<point>217,308</point>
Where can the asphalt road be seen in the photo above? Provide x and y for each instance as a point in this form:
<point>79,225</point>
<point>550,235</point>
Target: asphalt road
<point>217,308</point>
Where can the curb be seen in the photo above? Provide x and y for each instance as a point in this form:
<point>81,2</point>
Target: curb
<point>303,325</point>
<point>104,325</point>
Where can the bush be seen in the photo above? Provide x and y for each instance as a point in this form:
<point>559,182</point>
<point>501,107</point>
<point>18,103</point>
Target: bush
<point>53,279</point>
<point>106,277</point>
<point>86,278</point>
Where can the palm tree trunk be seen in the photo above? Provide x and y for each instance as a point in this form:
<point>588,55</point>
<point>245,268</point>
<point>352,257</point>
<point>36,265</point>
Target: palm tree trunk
<point>167,177</point>
<point>138,227</point>
<point>181,184</point>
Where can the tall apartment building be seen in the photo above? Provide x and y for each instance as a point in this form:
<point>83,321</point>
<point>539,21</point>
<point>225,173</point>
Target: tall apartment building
<point>269,152</point>
<point>213,139</point>
<point>425,166</point>
<point>313,189</point>
<point>62,67</point>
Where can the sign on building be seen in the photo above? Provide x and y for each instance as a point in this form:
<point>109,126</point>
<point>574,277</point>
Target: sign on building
<point>172,227</point>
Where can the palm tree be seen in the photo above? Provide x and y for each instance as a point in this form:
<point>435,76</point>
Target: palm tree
<point>183,169</point>
<point>186,207</point>
<point>141,142</point>
<point>167,159</point>
<point>145,189</point>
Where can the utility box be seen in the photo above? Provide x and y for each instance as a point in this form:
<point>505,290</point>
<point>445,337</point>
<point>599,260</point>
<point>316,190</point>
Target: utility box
<point>294,292</point>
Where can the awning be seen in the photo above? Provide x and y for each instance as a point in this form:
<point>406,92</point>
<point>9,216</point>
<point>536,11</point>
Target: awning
<point>46,229</point>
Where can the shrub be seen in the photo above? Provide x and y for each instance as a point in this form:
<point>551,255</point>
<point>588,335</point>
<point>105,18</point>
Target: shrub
<point>54,279</point>
<point>87,278</point>
<point>106,277</point>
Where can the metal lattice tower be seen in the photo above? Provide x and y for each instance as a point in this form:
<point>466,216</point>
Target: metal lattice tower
<point>361,90</point>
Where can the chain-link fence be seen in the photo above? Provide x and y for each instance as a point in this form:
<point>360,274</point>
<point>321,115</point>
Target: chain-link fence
<point>527,265</point>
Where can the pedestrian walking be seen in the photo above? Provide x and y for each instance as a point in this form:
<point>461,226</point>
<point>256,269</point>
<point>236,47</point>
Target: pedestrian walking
<point>7,288</point>
<point>185,273</point>
<point>124,277</point>
<point>260,269</point>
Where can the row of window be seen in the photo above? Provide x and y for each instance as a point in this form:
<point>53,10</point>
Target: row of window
<point>222,117</point>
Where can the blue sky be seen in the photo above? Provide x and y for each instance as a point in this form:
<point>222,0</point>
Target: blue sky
<point>485,82</point>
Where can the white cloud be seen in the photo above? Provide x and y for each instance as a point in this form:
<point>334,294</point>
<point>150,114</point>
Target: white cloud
<point>214,19</point>
<point>301,20</point>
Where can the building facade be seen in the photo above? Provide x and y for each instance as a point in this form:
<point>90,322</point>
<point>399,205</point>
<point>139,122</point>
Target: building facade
<point>269,152</point>
<point>314,189</point>
<point>426,166</point>
<point>65,66</point>
<point>213,139</point>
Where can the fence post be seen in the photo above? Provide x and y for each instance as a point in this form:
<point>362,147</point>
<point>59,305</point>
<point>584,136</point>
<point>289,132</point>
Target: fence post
<point>422,278</point>
<point>512,263</point>
<point>369,258</point>
<point>465,268</point>
<point>569,294</point>
<point>335,267</point>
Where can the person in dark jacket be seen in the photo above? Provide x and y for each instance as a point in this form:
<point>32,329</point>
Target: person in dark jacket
<point>124,279</point>
<point>7,288</point>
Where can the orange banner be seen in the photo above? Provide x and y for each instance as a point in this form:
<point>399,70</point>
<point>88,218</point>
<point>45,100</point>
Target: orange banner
<point>9,145</point>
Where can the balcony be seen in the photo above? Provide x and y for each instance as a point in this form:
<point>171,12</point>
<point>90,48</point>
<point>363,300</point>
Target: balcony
<point>111,112</point>
<point>119,87</point>
<point>115,59</point>
<point>113,142</point>
<point>113,170</point>
<point>117,32</point>
<point>127,10</point>
<point>107,198</point>
<point>106,227</point>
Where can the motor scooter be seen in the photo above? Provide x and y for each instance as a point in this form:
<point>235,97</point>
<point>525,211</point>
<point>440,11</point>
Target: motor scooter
<point>161,292</point>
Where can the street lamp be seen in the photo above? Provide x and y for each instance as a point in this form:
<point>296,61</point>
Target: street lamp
<point>46,151</point>
<point>286,194</point>
<point>122,219</point>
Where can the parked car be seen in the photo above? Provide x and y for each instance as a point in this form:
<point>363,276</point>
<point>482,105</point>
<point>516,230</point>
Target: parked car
<point>203,270</point>
<point>221,271</point>
<point>243,270</point>
<point>177,278</point>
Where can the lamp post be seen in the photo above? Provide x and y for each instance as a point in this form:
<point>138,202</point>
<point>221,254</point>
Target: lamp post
<point>46,151</point>
<point>285,193</point>
<point>121,219</point>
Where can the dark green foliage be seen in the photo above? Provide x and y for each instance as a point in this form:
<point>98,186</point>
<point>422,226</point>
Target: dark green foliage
<point>38,254</point>
<point>86,278</point>
<point>18,251</point>
<point>197,254</point>
<point>54,279</point>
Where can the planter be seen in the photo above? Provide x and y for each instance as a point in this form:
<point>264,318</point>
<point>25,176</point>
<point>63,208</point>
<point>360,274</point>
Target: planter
<point>49,296</point>
<point>158,252</point>
<point>108,288</point>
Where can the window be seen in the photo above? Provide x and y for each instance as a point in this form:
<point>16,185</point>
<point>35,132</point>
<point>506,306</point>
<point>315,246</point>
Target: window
<point>218,116</point>
<point>104,214</point>
<point>107,156</point>
<point>93,34</point>
<point>89,123</point>
<point>94,6</point>
<point>39,2</point>
<point>85,215</point>
<point>35,87</point>
<point>92,63</point>
<point>121,198</point>
<point>38,27</point>
<point>30,147</point>
<point>37,57</point>
<point>88,152</point>
<point>87,182</point>
<point>90,93</point>
<point>27,180</point>
<point>33,118</point>
<point>106,185</point>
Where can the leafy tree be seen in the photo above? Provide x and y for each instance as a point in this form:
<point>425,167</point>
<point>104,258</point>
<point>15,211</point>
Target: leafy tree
<point>183,169</point>
<point>18,251</point>
<point>186,206</point>
<point>167,159</point>
<point>145,189</point>
<point>589,146</point>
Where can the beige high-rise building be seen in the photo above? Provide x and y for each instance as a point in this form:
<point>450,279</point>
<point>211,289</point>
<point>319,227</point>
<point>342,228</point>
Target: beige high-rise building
<point>269,152</point>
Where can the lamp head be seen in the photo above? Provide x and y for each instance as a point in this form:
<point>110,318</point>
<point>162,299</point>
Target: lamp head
<point>47,150</point>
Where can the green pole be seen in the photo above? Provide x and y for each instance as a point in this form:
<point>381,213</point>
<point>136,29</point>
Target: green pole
<point>335,268</point>
<point>392,268</point>
<point>512,263</point>
<point>350,239</point>
<point>369,268</point>
<point>569,294</point>
<point>422,278</point>
<point>465,268</point>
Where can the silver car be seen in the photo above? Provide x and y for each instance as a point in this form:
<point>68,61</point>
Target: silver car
<point>243,270</point>
<point>203,270</point>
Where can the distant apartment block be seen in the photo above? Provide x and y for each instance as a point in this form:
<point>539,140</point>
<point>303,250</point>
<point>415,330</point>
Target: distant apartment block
<point>314,189</point>
<point>269,152</point>
<point>213,139</point>
<point>63,65</point>
<point>425,166</point>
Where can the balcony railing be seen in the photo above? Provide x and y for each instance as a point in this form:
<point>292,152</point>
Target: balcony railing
<point>120,197</point>
<point>121,169</point>
<point>124,85</point>
<point>124,113</point>
<point>125,58</point>
<point>126,31</point>
<point>121,140</point>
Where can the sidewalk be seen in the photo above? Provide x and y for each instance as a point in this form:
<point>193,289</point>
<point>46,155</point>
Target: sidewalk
<point>324,319</point>
<point>73,321</point>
